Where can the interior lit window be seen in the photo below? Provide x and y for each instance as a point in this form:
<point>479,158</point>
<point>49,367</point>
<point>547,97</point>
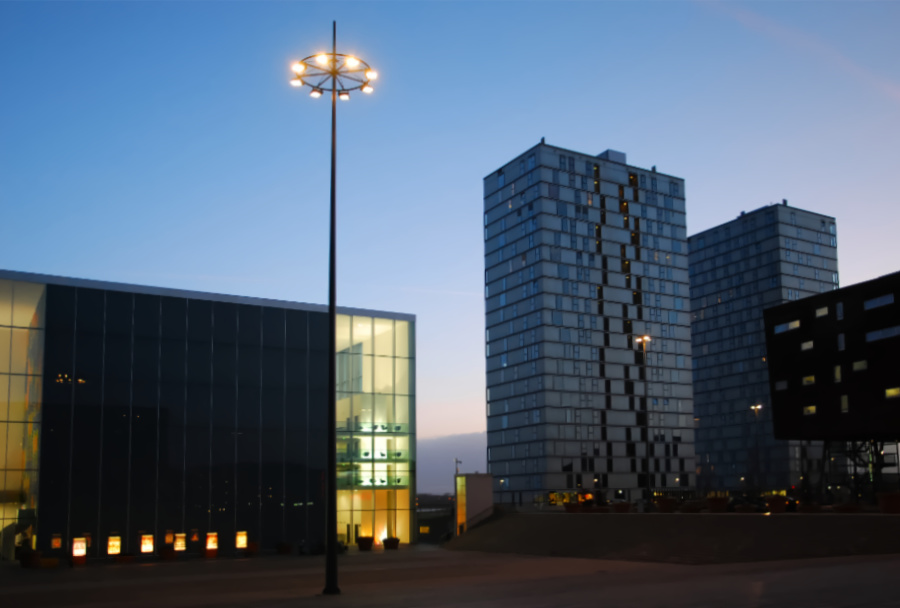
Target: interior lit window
<point>56,542</point>
<point>212,540</point>
<point>837,373</point>
<point>845,404</point>
<point>79,547</point>
<point>114,545</point>
<point>822,312</point>
<point>806,345</point>
<point>783,327</point>
<point>859,366</point>
<point>892,393</point>
<point>807,380</point>
<point>809,410</point>
<point>240,540</point>
<point>180,542</point>
<point>170,537</point>
<point>146,543</point>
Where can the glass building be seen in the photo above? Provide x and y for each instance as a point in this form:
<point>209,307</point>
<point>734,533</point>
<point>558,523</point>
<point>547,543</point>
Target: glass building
<point>136,419</point>
<point>761,259</point>
<point>587,328</point>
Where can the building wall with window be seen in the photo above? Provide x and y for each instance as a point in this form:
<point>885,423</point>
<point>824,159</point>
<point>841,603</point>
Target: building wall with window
<point>833,364</point>
<point>584,255</point>
<point>140,419</point>
<point>761,259</point>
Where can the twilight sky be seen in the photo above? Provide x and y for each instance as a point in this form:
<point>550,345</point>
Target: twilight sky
<point>159,142</point>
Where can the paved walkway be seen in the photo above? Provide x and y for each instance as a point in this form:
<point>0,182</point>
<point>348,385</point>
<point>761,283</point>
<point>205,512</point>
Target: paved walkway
<point>428,576</point>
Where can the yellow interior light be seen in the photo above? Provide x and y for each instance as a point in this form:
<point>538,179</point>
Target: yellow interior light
<point>298,67</point>
<point>79,547</point>
<point>180,542</point>
<point>240,540</point>
<point>212,540</point>
<point>146,543</point>
<point>351,62</point>
<point>114,545</point>
<point>371,75</point>
<point>322,59</point>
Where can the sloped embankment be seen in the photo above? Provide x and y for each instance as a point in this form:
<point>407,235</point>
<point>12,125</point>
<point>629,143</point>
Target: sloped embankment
<point>685,538</point>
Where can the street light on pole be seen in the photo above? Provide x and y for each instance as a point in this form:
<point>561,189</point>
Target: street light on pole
<point>758,476</point>
<point>643,340</point>
<point>338,74</point>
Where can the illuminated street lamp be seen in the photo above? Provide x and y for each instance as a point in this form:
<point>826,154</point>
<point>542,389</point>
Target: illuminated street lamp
<point>339,74</point>
<point>643,340</point>
<point>758,476</point>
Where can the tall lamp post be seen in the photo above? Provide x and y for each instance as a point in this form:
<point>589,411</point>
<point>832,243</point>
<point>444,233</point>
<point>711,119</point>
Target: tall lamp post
<point>337,74</point>
<point>758,473</point>
<point>643,340</point>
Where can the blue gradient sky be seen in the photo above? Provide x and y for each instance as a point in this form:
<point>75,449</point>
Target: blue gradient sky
<point>159,142</point>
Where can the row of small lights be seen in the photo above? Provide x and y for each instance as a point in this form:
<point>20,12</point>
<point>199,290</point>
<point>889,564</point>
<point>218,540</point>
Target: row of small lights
<point>322,59</point>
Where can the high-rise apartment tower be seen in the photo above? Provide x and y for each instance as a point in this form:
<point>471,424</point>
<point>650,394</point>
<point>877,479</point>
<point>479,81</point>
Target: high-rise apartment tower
<point>588,328</point>
<point>765,257</point>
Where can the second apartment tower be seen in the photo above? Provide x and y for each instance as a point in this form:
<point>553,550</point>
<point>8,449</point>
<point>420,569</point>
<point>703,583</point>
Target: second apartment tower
<point>587,328</point>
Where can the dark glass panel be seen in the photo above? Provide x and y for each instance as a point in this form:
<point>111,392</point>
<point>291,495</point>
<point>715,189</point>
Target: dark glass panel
<point>119,311</point>
<point>91,311</point>
<point>199,364</point>
<point>172,362</point>
<point>249,367</point>
<point>272,484</point>
<point>249,325</point>
<point>145,366</point>
<point>200,321</point>
<point>223,464</point>
<point>272,441</point>
<point>295,368</point>
<point>60,308</point>
<point>197,458</point>
<point>174,318</point>
<point>116,434</point>
<point>87,424</point>
<point>272,368</point>
<point>318,332</point>
<point>296,330</point>
<point>146,316</point>
<point>224,364</point>
<point>273,327</point>
<point>171,457</point>
<point>247,488</point>
<point>225,322</point>
<point>248,410</point>
<point>143,458</point>
<point>56,415</point>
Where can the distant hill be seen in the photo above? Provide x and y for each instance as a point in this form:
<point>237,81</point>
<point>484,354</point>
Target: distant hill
<point>434,463</point>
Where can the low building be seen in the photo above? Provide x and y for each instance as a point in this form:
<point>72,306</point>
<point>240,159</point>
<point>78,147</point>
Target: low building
<point>135,419</point>
<point>833,376</point>
<point>832,359</point>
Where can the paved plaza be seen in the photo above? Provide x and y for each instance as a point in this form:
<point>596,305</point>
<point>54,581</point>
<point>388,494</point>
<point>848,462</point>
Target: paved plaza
<point>429,576</point>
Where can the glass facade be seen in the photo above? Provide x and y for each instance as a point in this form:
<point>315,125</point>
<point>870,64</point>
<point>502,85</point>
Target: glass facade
<point>588,328</point>
<point>376,428</point>
<point>761,259</point>
<point>167,415</point>
<point>21,372</point>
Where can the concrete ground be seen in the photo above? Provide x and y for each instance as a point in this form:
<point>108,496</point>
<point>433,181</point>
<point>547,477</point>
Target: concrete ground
<point>429,576</point>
